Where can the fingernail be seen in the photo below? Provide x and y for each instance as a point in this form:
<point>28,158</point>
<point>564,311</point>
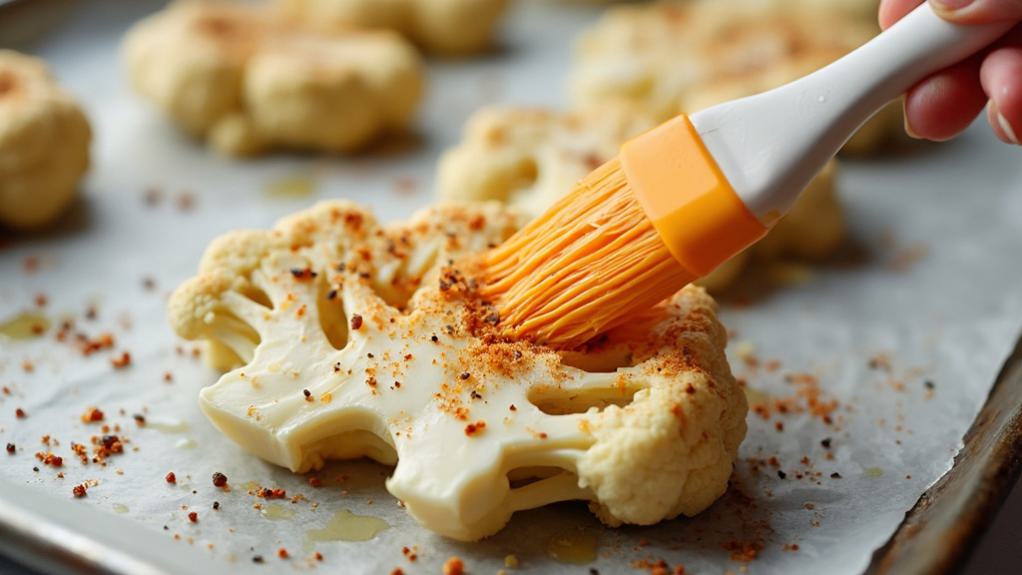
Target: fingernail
<point>1007,129</point>
<point>908,129</point>
<point>946,6</point>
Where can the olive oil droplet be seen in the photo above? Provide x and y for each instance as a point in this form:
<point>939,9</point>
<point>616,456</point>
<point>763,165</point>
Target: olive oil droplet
<point>576,548</point>
<point>275,512</point>
<point>346,526</point>
<point>28,325</point>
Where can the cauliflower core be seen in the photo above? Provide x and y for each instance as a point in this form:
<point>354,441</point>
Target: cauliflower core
<point>248,82</point>
<point>350,340</point>
<point>454,27</point>
<point>673,57</point>
<point>44,143</point>
<point>530,158</point>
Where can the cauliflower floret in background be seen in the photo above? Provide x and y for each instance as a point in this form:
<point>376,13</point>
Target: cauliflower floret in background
<point>248,83</point>
<point>674,57</point>
<point>530,158</point>
<point>351,339</point>
<point>44,143</point>
<point>453,27</point>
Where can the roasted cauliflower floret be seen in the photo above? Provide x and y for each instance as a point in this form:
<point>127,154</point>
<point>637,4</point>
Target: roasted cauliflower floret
<point>44,143</point>
<point>529,158</point>
<point>350,339</point>
<point>674,57</point>
<point>248,82</point>
<point>453,27</point>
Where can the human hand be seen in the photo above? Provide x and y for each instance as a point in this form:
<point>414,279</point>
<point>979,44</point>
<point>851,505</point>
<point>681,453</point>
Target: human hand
<point>944,104</point>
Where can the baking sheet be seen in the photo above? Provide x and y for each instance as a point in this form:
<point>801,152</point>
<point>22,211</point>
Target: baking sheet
<point>930,293</point>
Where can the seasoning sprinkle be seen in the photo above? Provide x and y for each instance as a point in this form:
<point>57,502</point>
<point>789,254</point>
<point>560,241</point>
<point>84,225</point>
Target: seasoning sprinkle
<point>219,479</point>
<point>454,566</point>
<point>356,322</point>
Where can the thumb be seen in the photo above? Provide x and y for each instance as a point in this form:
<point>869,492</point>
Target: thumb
<point>978,11</point>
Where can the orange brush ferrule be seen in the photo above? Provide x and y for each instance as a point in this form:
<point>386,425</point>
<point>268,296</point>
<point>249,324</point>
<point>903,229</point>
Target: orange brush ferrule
<point>699,217</point>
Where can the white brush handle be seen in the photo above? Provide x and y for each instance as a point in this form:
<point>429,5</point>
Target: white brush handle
<point>771,145</point>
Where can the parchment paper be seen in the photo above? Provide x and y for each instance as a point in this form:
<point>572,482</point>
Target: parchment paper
<point>906,334</point>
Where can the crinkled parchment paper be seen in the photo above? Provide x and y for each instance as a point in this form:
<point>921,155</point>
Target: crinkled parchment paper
<point>905,333</point>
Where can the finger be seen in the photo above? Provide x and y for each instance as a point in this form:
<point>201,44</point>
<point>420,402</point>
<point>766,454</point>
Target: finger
<point>941,106</point>
<point>978,11</point>
<point>893,10</point>
<point>1001,78</point>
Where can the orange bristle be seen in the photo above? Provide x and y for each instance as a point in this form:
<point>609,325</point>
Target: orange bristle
<point>589,264</point>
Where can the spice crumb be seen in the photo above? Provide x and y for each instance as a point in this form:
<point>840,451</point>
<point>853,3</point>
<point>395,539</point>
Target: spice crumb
<point>454,566</point>
<point>282,553</point>
<point>11,448</point>
<point>193,517</point>
<point>170,478</point>
<point>92,415</point>
<point>219,479</point>
<point>80,490</point>
<point>122,361</point>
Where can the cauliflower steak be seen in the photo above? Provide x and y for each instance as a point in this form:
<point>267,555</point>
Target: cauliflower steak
<point>677,56</point>
<point>349,339</point>
<point>247,82</point>
<point>44,143</point>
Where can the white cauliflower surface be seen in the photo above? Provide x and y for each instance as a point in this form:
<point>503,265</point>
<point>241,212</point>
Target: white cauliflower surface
<point>531,157</point>
<point>350,339</point>
<point>452,27</point>
<point>248,82</point>
<point>673,57</point>
<point>44,143</point>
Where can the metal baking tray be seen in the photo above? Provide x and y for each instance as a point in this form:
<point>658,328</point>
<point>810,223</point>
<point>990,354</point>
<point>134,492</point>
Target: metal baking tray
<point>80,37</point>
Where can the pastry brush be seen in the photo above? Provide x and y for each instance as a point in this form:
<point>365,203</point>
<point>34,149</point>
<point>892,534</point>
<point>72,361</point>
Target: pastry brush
<point>686,196</point>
